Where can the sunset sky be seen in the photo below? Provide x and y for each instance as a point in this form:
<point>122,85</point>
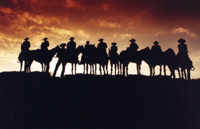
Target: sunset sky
<point>118,21</point>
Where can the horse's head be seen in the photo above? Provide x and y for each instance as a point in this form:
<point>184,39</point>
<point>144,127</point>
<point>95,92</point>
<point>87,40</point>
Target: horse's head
<point>145,50</point>
<point>170,52</point>
<point>80,49</point>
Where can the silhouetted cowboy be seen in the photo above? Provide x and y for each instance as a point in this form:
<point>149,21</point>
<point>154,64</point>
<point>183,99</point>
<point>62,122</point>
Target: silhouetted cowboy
<point>87,48</point>
<point>25,48</point>
<point>102,46</point>
<point>71,45</point>
<point>156,49</point>
<point>114,47</point>
<point>44,48</point>
<point>45,45</point>
<point>157,52</point>
<point>87,53</point>
<point>61,57</point>
<point>183,52</point>
<point>133,45</point>
<point>182,47</point>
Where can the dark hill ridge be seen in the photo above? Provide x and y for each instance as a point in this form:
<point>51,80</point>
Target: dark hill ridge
<point>38,101</point>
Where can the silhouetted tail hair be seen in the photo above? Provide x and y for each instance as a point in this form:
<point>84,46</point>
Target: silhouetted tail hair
<point>193,68</point>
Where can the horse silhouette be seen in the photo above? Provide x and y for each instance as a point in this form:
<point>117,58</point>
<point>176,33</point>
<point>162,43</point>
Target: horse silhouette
<point>114,61</point>
<point>102,60</point>
<point>71,57</point>
<point>186,65</point>
<point>153,62</point>
<point>21,59</point>
<point>44,60</point>
<point>126,56</point>
<point>171,62</point>
<point>89,59</point>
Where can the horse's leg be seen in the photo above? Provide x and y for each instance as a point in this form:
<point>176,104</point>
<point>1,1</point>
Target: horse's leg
<point>183,73</point>
<point>86,68</point>
<point>56,68</point>
<point>29,65</point>
<point>106,68</point>
<point>25,66</point>
<point>121,68</point>
<point>21,62</point>
<point>153,70</point>
<point>95,65</point>
<point>160,70</point>
<point>72,68</point>
<point>138,68</point>
<point>47,67</point>
<point>63,69</point>
<point>126,70</point>
<point>150,70</point>
<point>111,65</point>
<point>75,68</point>
<point>179,73</point>
<point>188,73</point>
<point>172,70</point>
<point>100,69</point>
<point>91,69</point>
<point>164,67</point>
<point>115,68</point>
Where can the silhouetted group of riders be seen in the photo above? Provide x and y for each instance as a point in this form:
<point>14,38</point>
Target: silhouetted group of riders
<point>91,56</point>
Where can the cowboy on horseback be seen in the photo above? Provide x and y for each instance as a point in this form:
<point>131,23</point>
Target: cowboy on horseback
<point>44,48</point>
<point>71,45</point>
<point>114,47</point>
<point>182,48</point>
<point>113,50</point>
<point>24,55</point>
<point>25,49</point>
<point>114,57</point>
<point>102,46</point>
<point>133,45</point>
<point>182,55</point>
<point>102,55</point>
<point>156,51</point>
<point>87,50</point>
<point>61,57</point>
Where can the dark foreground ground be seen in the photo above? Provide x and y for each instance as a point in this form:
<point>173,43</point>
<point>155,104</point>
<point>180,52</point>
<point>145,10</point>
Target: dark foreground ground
<point>37,101</point>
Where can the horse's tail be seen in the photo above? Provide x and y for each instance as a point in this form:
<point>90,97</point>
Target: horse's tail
<point>193,68</point>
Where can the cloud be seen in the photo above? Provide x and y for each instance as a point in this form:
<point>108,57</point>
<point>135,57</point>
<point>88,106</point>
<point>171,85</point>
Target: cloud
<point>184,31</point>
<point>5,10</point>
<point>106,24</point>
<point>73,4</point>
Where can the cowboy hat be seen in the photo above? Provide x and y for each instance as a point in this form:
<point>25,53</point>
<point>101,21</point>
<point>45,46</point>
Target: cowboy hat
<point>63,45</point>
<point>100,39</point>
<point>114,43</point>
<point>45,38</point>
<point>26,38</point>
<point>88,42</point>
<point>181,40</point>
<point>132,40</point>
<point>156,42</point>
<point>72,38</point>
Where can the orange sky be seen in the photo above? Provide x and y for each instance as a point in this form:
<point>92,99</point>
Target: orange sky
<point>114,20</point>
